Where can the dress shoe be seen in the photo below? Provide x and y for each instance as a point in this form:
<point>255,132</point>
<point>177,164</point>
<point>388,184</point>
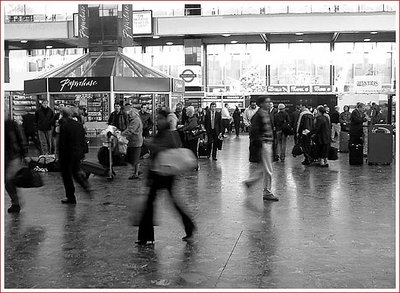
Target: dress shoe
<point>189,234</point>
<point>143,242</point>
<point>14,209</point>
<point>214,158</point>
<point>134,177</point>
<point>270,196</point>
<point>68,201</point>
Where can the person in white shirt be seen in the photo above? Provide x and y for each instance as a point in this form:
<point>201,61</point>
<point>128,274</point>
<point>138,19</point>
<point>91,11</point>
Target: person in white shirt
<point>226,119</point>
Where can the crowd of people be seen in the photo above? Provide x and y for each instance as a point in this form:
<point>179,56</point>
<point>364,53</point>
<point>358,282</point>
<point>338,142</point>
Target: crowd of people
<point>63,133</point>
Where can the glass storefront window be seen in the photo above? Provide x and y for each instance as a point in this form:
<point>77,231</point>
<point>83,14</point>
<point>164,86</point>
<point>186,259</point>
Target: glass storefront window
<point>167,59</point>
<point>362,59</point>
<point>299,64</point>
<point>236,68</point>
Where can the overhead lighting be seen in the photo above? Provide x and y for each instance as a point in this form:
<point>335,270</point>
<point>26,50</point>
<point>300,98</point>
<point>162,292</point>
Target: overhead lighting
<point>156,37</point>
<point>226,35</point>
<point>367,40</point>
<point>299,34</point>
<point>300,40</point>
<point>24,41</point>
<point>49,47</point>
<point>234,42</point>
<point>169,43</point>
<point>374,33</point>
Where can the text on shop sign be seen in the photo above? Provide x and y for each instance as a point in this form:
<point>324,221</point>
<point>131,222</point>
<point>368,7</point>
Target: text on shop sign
<point>74,84</point>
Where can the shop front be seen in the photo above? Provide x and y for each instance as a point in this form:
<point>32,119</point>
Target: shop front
<point>97,81</point>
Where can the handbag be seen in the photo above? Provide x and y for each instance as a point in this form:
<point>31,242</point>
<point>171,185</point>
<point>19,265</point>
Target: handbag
<point>27,178</point>
<point>333,153</point>
<point>287,129</point>
<point>174,161</point>
<point>297,150</point>
<point>198,130</point>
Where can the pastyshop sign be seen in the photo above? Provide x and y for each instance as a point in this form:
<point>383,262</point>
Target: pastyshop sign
<point>367,84</point>
<point>79,84</point>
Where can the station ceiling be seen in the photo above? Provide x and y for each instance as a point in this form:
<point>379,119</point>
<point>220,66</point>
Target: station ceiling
<point>271,38</point>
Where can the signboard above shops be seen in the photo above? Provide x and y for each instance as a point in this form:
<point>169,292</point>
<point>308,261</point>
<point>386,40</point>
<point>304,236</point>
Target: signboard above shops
<point>283,89</point>
<point>79,84</point>
<point>367,84</point>
<point>277,89</point>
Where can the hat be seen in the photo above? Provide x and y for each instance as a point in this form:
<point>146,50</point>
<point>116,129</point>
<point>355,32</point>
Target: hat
<point>281,106</point>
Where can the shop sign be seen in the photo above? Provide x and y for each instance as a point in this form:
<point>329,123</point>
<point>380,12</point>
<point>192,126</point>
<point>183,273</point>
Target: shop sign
<point>83,23</point>
<point>178,86</point>
<point>299,88</point>
<point>127,34</point>
<point>322,88</point>
<point>367,83</point>
<point>277,89</point>
<point>79,84</point>
<point>142,22</point>
<point>191,75</point>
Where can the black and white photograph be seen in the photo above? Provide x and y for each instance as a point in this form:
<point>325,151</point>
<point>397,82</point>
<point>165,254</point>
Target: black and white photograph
<point>170,146</point>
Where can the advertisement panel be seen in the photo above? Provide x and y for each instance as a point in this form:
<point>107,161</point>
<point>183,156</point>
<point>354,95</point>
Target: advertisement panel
<point>367,84</point>
<point>142,22</point>
<point>83,24</point>
<point>127,20</point>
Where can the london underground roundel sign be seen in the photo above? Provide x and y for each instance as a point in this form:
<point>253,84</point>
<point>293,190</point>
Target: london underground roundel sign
<point>188,75</point>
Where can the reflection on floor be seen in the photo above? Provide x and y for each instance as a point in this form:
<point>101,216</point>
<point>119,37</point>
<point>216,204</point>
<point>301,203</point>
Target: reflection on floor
<point>332,228</point>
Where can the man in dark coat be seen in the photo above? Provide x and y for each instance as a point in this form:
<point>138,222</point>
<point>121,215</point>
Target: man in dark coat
<point>71,152</point>
<point>30,130</point>
<point>213,125</point>
<point>44,121</point>
<point>305,125</point>
<point>272,112</point>
<point>321,134</point>
<point>357,119</point>
<point>118,118</point>
<point>147,121</point>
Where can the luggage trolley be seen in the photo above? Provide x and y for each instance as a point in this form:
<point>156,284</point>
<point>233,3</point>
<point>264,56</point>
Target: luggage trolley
<point>89,167</point>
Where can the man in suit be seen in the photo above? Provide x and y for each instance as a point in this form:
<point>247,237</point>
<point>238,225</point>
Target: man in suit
<point>71,152</point>
<point>213,125</point>
<point>272,112</point>
<point>357,118</point>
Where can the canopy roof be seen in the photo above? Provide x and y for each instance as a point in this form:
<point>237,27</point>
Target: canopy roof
<point>100,64</point>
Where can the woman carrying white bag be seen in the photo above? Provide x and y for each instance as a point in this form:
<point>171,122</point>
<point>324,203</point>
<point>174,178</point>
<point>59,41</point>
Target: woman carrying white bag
<point>164,166</point>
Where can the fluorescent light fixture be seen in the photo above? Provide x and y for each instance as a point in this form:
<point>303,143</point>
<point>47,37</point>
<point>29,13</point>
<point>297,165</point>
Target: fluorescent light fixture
<point>374,33</point>
<point>234,42</point>
<point>169,43</point>
<point>299,34</point>
<point>226,35</point>
<point>367,40</point>
<point>156,37</point>
<point>49,47</point>
<point>300,40</point>
<point>24,41</point>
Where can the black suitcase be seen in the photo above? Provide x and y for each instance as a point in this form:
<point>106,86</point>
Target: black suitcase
<point>203,149</point>
<point>93,168</point>
<point>356,155</point>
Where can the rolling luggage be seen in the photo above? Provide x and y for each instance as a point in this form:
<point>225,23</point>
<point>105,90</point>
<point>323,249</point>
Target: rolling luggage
<point>203,149</point>
<point>344,142</point>
<point>93,168</point>
<point>356,155</point>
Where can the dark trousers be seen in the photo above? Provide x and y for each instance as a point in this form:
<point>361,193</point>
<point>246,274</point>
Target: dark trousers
<point>305,143</point>
<point>356,139</point>
<point>275,147</point>
<point>225,124</point>
<point>237,127</point>
<point>71,169</point>
<point>323,150</point>
<point>34,138</point>
<point>146,227</point>
<point>212,142</point>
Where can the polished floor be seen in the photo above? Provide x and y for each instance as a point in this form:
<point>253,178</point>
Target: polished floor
<point>333,228</point>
